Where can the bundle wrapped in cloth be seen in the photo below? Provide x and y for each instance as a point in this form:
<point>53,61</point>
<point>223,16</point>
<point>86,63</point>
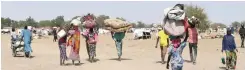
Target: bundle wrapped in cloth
<point>116,25</point>
<point>89,23</point>
<point>175,22</point>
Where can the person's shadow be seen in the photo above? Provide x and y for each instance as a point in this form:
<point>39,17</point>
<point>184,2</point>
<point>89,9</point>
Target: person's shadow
<point>19,55</point>
<point>70,64</point>
<point>222,68</point>
<point>161,62</point>
<point>95,60</point>
<point>121,59</point>
<point>188,61</point>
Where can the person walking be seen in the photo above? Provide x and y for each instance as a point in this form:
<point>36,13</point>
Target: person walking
<point>27,36</point>
<point>55,34</point>
<point>175,53</point>
<point>164,42</point>
<point>118,37</point>
<point>242,34</point>
<point>62,48</point>
<point>193,40</point>
<point>229,46</point>
<point>74,42</point>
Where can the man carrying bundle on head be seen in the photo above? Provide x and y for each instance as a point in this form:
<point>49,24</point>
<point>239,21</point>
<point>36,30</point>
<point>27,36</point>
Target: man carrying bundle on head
<point>192,35</point>
<point>118,29</point>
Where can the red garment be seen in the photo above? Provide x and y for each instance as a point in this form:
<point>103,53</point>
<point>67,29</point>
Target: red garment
<point>186,24</point>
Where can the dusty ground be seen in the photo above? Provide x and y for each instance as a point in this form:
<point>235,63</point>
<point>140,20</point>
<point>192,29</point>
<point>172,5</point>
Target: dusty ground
<point>137,55</point>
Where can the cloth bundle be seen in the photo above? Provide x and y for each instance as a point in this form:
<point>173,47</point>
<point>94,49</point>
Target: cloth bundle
<point>76,22</point>
<point>175,22</point>
<point>116,25</point>
<point>89,23</point>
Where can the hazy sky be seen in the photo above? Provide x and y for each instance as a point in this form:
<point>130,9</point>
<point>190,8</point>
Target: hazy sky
<point>148,12</point>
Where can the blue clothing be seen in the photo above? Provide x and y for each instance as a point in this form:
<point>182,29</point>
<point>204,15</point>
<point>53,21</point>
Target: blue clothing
<point>176,58</point>
<point>26,34</point>
<point>228,43</point>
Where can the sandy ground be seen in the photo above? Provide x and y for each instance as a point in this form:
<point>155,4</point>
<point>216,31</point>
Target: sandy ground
<point>137,55</point>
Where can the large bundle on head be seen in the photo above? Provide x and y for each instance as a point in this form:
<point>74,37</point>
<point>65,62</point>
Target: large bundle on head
<point>193,20</point>
<point>89,21</point>
<point>116,25</point>
<point>77,21</point>
<point>175,22</point>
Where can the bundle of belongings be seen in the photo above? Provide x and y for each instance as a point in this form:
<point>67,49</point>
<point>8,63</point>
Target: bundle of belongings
<point>116,25</point>
<point>90,33</point>
<point>89,21</point>
<point>175,21</point>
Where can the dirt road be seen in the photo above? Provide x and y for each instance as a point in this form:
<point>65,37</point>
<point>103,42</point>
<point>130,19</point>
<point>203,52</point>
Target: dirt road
<point>137,55</point>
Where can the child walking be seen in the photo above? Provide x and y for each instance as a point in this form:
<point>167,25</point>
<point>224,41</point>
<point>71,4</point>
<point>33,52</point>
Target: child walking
<point>164,42</point>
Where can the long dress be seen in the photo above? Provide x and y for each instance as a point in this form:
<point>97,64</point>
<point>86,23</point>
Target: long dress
<point>177,60</point>
<point>229,46</point>
<point>26,34</point>
<point>62,47</point>
<point>74,42</point>
<point>118,37</point>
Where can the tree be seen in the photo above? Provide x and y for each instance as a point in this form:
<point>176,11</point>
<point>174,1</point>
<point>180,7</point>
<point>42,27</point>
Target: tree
<point>58,21</point>
<point>31,22</point>
<point>199,13</point>
<point>22,23</point>
<point>6,22</point>
<point>134,25</point>
<point>140,24</point>
<point>44,23</point>
<point>14,23</point>
<point>100,20</point>
<point>215,25</point>
<point>235,24</point>
<point>243,22</point>
<point>121,18</point>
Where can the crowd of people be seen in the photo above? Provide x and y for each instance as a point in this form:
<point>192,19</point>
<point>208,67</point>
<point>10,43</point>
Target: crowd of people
<point>168,43</point>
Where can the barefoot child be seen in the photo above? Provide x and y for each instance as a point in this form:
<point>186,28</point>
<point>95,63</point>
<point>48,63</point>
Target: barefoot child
<point>229,46</point>
<point>164,42</point>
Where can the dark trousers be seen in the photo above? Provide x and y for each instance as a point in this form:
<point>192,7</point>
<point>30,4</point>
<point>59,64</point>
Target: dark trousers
<point>242,38</point>
<point>55,38</point>
<point>193,48</point>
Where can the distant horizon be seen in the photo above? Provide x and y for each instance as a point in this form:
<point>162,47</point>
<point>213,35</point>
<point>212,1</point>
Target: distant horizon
<point>146,11</point>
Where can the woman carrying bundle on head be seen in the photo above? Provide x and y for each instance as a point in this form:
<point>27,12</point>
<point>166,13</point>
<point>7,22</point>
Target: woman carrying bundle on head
<point>91,40</point>
<point>74,40</point>
<point>118,29</point>
<point>91,35</point>
<point>175,25</point>
<point>118,37</point>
